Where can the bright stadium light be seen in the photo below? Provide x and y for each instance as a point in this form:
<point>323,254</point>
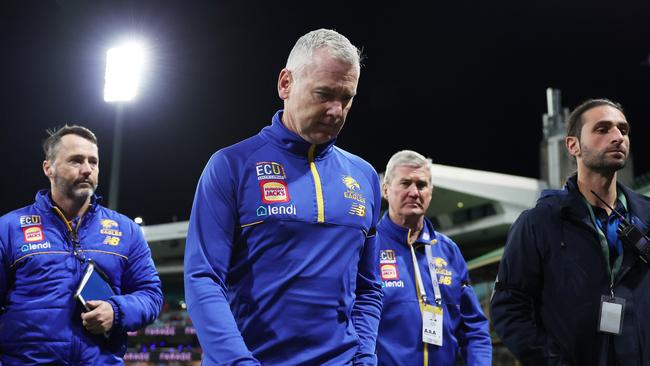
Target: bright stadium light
<point>123,69</point>
<point>124,66</point>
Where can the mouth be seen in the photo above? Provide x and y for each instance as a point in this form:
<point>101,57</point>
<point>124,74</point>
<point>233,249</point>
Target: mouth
<point>330,126</point>
<point>85,184</point>
<point>412,205</point>
<point>616,151</point>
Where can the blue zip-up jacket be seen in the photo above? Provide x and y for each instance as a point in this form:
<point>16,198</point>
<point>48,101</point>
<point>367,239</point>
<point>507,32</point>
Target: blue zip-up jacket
<point>554,270</point>
<point>280,254</point>
<point>465,328</point>
<point>40,321</point>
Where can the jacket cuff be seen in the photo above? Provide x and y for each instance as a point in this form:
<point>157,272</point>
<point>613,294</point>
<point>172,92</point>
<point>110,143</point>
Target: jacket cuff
<point>117,319</point>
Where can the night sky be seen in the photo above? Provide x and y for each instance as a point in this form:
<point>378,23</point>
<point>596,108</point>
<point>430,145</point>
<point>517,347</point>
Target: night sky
<point>460,81</point>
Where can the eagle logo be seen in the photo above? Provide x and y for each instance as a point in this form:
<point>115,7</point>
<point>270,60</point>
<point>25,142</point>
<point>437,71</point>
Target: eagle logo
<point>108,224</point>
<point>439,262</point>
<point>351,183</point>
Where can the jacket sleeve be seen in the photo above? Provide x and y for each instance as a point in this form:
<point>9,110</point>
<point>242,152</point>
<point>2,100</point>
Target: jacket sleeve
<point>4,266</point>
<point>517,292</point>
<point>208,250</point>
<point>366,310</point>
<point>141,299</point>
<point>475,337</point>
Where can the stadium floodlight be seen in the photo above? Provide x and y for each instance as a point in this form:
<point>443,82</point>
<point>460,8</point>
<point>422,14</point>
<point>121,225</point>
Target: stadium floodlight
<point>123,68</point>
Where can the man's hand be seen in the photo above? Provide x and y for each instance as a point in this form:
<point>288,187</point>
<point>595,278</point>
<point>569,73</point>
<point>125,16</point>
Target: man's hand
<point>100,319</point>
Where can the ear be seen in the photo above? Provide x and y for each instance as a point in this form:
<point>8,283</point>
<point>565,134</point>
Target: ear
<point>384,191</point>
<point>285,81</point>
<point>47,168</point>
<point>572,145</point>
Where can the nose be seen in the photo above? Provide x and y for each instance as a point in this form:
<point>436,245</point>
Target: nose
<point>335,109</point>
<point>413,190</point>
<point>617,136</point>
<point>85,168</point>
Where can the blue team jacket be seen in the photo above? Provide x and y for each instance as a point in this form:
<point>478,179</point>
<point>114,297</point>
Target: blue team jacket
<point>40,322</point>
<point>280,254</point>
<point>465,328</point>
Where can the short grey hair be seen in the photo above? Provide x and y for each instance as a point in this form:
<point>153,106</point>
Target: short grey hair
<point>337,44</point>
<point>407,158</point>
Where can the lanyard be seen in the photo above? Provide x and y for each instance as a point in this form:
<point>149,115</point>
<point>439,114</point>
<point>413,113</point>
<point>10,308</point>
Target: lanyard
<point>434,277</point>
<point>602,236</point>
<point>72,234</point>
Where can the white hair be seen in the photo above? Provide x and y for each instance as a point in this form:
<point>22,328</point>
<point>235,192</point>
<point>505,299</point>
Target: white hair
<point>337,45</point>
<point>407,158</point>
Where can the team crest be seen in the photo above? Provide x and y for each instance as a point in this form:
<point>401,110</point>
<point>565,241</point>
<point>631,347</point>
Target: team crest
<point>439,266</point>
<point>351,183</point>
<point>108,223</point>
<point>110,227</point>
<point>358,207</point>
<point>439,262</point>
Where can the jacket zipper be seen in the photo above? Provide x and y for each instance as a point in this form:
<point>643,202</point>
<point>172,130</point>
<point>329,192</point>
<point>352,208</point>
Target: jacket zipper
<point>317,184</point>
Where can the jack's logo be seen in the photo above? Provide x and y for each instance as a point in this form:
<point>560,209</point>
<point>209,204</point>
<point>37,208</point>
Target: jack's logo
<point>266,170</point>
<point>274,191</point>
<point>389,272</point>
<point>33,234</point>
<point>30,220</point>
<point>387,256</point>
<point>351,183</point>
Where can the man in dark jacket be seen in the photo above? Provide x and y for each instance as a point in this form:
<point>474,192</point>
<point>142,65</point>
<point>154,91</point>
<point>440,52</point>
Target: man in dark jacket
<point>570,290</point>
<point>44,250</point>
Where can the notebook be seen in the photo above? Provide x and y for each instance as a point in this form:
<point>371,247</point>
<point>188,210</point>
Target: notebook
<point>94,285</point>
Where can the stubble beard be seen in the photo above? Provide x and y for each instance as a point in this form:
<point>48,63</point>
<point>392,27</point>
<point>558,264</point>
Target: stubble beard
<point>73,192</point>
<point>598,161</point>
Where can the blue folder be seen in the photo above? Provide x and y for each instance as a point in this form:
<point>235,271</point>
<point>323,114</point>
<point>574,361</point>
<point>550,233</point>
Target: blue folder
<point>93,286</point>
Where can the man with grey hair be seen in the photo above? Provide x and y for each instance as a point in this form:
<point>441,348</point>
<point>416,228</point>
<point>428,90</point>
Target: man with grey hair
<point>431,315</point>
<point>280,252</point>
<point>46,247</point>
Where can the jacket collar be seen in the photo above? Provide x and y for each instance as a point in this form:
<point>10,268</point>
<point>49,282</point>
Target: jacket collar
<point>400,234</point>
<point>280,136</point>
<point>572,203</point>
<point>43,202</point>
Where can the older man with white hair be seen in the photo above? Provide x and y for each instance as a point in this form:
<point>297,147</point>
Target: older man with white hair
<point>280,253</point>
<point>431,315</point>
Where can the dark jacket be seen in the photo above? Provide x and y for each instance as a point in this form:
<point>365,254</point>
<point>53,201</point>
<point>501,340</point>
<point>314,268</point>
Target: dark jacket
<point>553,272</point>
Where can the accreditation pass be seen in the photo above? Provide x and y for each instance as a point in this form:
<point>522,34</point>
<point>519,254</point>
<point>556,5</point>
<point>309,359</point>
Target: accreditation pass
<point>432,324</point>
<point>611,314</point>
